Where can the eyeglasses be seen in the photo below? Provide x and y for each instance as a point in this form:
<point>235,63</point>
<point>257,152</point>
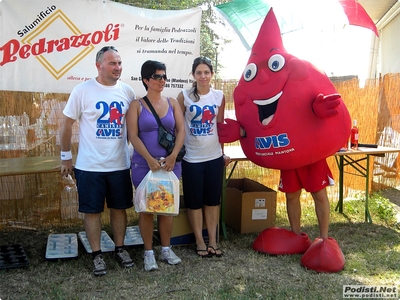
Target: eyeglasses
<point>202,58</point>
<point>158,77</point>
<point>103,50</point>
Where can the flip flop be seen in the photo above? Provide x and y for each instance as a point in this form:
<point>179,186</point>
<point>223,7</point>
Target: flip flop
<point>213,251</point>
<point>199,252</point>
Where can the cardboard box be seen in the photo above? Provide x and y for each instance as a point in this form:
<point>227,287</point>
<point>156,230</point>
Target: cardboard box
<point>182,233</point>
<point>250,206</point>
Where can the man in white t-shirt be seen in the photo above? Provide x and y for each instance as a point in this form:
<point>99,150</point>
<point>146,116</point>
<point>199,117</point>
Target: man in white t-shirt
<point>102,168</point>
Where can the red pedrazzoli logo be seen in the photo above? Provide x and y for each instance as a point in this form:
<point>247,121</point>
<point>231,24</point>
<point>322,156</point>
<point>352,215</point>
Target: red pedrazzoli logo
<point>38,44</point>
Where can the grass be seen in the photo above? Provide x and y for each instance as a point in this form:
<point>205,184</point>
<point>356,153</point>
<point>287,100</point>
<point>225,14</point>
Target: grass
<point>372,254</point>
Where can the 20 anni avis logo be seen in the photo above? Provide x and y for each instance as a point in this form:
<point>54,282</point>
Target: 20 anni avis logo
<point>35,42</point>
<point>109,124</point>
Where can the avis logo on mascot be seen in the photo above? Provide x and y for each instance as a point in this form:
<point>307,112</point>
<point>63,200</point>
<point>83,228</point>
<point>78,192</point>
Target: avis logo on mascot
<point>290,117</point>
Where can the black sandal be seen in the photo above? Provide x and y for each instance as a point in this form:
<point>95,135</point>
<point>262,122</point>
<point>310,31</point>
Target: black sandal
<point>213,251</point>
<point>198,252</point>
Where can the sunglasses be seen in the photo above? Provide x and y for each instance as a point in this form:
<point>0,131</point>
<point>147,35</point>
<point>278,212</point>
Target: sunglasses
<point>103,50</point>
<point>202,58</point>
<point>158,77</point>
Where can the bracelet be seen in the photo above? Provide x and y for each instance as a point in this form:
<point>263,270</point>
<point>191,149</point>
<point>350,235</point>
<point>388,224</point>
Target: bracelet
<point>66,155</point>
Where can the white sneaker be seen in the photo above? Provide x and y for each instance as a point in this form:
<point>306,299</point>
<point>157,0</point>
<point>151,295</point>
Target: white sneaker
<point>150,263</point>
<point>169,256</point>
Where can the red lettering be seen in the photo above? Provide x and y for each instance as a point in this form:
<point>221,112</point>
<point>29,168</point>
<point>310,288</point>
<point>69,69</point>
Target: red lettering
<point>108,34</point>
<point>97,37</point>
<point>51,45</point>
<point>86,39</point>
<point>39,47</point>
<point>74,41</point>
<point>10,49</point>
<point>13,47</point>
<point>63,45</point>
<point>24,52</point>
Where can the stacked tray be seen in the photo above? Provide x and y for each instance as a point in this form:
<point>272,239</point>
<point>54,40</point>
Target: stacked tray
<point>106,243</point>
<point>13,256</point>
<point>133,236</point>
<point>62,246</point>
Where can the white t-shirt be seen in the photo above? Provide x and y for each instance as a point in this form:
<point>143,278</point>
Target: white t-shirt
<point>101,112</point>
<point>201,139</point>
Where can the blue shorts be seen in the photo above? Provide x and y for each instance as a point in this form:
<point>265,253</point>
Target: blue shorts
<point>96,187</point>
<point>202,183</point>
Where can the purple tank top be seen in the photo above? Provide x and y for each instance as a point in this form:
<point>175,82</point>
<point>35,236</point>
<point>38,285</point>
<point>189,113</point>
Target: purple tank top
<point>148,131</point>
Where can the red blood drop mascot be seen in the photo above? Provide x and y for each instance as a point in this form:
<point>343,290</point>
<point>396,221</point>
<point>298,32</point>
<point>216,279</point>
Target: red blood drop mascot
<point>290,117</point>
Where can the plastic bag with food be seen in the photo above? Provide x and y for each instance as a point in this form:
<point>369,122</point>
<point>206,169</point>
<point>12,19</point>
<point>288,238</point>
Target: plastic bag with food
<point>158,193</point>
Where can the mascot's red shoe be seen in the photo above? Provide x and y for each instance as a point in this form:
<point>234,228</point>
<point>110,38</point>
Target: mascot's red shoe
<point>280,241</point>
<point>324,255</point>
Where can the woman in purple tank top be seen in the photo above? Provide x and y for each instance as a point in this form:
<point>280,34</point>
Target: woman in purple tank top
<point>149,155</point>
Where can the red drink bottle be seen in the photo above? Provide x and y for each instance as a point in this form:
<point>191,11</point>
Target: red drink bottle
<point>354,136</point>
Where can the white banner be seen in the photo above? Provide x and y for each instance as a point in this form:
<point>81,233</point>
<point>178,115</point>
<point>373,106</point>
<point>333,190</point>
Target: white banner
<point>50,46</point>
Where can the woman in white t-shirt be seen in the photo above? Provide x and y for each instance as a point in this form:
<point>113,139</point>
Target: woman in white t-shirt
<point>204,161</point>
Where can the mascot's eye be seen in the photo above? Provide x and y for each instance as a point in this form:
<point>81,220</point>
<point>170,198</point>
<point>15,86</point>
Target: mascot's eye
<point>276,62</point>
<point>250,72</point>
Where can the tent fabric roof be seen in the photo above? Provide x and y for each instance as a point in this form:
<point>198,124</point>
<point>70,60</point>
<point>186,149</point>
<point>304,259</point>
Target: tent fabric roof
<point>246,17</point>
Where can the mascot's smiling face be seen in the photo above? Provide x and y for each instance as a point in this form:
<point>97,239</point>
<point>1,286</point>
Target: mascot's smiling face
<point>273,103</point>
<point>261,72</point>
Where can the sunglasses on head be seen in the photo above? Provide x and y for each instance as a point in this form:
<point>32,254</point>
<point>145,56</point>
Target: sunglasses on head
<point>103,50</point>
<point>202,58</point>
<point>158,77</point>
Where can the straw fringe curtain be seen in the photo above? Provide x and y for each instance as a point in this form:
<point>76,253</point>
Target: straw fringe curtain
<point>375,107</point>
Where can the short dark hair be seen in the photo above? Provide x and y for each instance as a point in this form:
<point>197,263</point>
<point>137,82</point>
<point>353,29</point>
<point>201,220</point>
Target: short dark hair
<point>149,68</point>
<point>103,50</point>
